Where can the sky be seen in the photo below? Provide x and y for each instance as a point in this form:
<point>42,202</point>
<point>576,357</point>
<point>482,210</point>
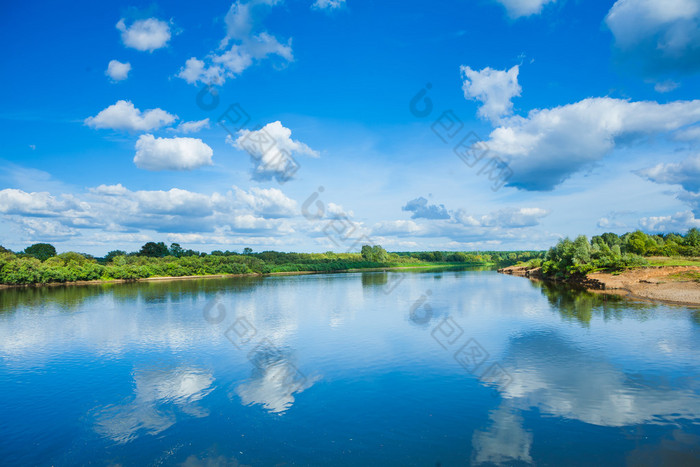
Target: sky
<point>323,125</point>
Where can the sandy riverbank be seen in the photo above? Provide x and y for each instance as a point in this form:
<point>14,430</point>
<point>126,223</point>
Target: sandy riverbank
<point>662,283</point>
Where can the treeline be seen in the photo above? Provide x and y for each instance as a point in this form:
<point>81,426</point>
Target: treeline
<point>611,252</point>
<point>40,264</point>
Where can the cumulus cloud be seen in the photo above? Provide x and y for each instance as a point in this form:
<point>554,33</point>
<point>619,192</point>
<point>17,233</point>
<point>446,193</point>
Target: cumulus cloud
<point>171,153</point>
<point>659,35</point>
<point>688,134</point>
<point>678,222</point>
<point>196,70</point>
<point>549,145</point>
<point>493,88</point>
<point>328,4</point>
<point>685,173</point>
<point>46,230</point>
<point>520,8</point>
<point>245,43</point>
<point>460,226</point>
<point>269,202</point>
<point>191,127</point>
<point>124,116</point>
<point>511,218</point>
<point>421,209</point>
<point>108,214</point>
<point>117,70</point>
<point>145,34</point>
<point>272,151</point>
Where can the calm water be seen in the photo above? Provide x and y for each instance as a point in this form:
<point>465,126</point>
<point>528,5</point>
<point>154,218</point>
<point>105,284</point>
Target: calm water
<point>435,368</point>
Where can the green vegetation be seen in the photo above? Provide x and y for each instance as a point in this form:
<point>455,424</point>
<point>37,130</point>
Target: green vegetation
<point>39,264</point>
<point>610,252</point>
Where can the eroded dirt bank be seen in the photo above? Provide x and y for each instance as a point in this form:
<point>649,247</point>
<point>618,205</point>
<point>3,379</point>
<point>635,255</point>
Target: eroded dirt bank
<point>672,284</point>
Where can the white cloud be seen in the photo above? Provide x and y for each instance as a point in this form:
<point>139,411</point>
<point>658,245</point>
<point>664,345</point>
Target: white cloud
<point>493,88</point>
<point>272,150</point>
<point>109,214</point>
<point>13,201</point>
<point>191,127</point>
<point>124,116</point>
<point>196,70</point>
<point>509,218</point>
<point>267,202</point>
<point>519,8</point>
<point>678,222</point>
<point>145,34</point>
<point>117,70</point>
<point>328,4</point>
<point>549,145</point>
<point>666,86</point>
<point>46,230</point>
<point>662,35</point>
<point>250,44</point>
<point>174,201</point>
<point>171,153</point>
<point>421,209</point>
<point>688,134</point>
<point>685,173</point>
<point>461,226</point>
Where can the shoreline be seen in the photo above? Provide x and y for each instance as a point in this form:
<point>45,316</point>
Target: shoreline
<point>228,276</point>
<point>651,283</point>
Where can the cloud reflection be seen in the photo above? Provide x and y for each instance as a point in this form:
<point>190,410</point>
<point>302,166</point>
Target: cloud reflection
<point>563,380</point>
<point>274,380</point>
<point>505,441</point>
<point>157,394</point>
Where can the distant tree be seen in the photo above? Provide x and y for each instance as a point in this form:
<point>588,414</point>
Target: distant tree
<point>176,250</point>
<point>4,250</point>
<point>154,250</point>
<point>113,254</point>
<point>367,253</point>
<point>692,238</point>
<point>637,243</point>
<point>611,239</point>
<point>41,251</point>
<point>379,254</point>
<point>247,251</point>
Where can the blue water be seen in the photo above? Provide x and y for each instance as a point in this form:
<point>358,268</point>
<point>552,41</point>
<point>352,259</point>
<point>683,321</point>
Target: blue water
<point>433,368</point>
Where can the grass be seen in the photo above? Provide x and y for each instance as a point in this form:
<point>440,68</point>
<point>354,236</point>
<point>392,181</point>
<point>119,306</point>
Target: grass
<point>673,261</point>
<point>686,276</point>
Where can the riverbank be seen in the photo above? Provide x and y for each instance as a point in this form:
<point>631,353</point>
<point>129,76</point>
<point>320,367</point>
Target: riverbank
<point>226,276</point>
<point>669,284</point>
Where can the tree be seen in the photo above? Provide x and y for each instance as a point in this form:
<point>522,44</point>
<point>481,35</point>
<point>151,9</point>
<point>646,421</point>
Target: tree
<point>176,250</point>
<point>692,238</point>
<point>113,254</point>
<point>379,254</point>
<point>637,243</point>
<point>367,253</point>
<point>247,251</point>
<point>154,250</point>
<point>41,251</point>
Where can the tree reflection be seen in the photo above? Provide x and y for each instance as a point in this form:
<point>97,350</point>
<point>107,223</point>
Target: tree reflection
<point>581,305</point>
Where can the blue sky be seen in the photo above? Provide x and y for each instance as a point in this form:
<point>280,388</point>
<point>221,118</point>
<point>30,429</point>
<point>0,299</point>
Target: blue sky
<point>576,117</point>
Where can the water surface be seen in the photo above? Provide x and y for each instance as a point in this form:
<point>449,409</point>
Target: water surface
<point>400,368</point>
